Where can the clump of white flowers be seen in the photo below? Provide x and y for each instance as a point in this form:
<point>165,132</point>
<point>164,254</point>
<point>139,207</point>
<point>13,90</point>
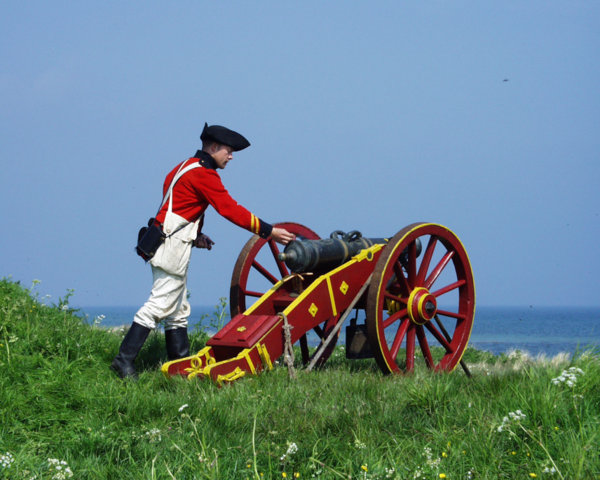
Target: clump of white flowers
<point>153,436</point>
<point>59,468</point>
<point>568,377</point>
<point>358,444</point>
<point>431,462</point>
<point>292,448</point>
<point>515,416</point>
<point>6,460</point>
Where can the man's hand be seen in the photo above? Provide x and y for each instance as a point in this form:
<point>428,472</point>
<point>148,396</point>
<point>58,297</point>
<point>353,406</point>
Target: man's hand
<point>281,235</point>
<point>203,241</point>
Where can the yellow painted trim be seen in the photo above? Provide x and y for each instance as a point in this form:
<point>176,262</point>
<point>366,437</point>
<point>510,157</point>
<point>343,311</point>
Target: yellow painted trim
<point>231,376</point>
<point>263,352</point>
<point>411,299</point>
<point>331,297</point>
<point>265,296</point>
<point>205,352</point>
<point>246,354</point>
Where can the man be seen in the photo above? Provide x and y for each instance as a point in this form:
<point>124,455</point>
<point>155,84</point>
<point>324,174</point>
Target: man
<point>188,190</point>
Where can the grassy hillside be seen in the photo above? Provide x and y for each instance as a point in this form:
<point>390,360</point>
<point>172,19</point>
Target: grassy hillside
<point>65,415</point>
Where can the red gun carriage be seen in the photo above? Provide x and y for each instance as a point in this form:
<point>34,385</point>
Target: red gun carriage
<point>416,290</point>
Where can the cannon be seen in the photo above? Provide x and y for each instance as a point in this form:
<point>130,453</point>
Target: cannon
<point>414,290</point>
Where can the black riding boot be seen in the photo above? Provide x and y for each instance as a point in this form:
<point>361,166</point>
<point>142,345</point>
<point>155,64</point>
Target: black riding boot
<point>123,363</point>
<point>178,344</point>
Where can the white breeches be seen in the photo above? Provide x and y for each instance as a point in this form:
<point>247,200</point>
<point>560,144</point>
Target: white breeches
<point>168,302</point>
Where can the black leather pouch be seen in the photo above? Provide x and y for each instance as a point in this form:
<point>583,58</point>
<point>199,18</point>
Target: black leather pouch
<point>149,239</point>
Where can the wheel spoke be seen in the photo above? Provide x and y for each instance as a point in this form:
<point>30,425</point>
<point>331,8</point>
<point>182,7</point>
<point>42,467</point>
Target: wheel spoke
<point>426,260</point>
<point>399,337</point>
<point>280,264</point>
<point>438,269</point>
<point>446,313</point>
<point>264,272</point>
<point>250,293</point>
<point>410,349</point>
<point>402,281</point>
<point>412,263</point>
<point>449,288</point>
<point>424,346</point>
<point>395,298</point>
<point>439,337</point>
<point>395,317</point>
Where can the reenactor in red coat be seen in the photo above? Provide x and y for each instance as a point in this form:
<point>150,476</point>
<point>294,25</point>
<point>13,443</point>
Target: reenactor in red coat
<point>188,190</point>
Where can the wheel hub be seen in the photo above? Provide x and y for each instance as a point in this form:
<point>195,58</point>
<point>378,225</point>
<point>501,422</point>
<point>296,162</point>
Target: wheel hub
<point>422,306</point>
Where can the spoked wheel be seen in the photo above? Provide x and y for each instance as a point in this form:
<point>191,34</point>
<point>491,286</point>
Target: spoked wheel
<point>425,299</point>
<point>258,268</point>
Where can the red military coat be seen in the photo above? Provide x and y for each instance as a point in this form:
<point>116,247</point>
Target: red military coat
<point>201,187</point>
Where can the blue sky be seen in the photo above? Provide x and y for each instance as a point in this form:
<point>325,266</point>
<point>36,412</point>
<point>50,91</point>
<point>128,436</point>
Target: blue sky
<point>361,115</point>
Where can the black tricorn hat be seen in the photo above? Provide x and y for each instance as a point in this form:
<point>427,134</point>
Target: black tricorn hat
<point>224,136</point>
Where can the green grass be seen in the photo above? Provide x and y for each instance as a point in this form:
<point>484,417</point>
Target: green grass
<point>60,401</point>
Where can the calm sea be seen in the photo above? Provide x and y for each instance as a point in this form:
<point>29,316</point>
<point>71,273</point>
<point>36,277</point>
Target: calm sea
<point>548,330</point>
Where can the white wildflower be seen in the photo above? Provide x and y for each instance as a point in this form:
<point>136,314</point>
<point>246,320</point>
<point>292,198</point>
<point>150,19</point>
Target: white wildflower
<point>6,460</point>
<point>569,377</point>
<point>389,472</point>
<point>549,470</point>
<point>358,444</point>
<point>292,448</point>
<point>59,468</point>
<point>153,435</point>
<point>515,416</point>
<point>183,407</point>
<point>429,458</point>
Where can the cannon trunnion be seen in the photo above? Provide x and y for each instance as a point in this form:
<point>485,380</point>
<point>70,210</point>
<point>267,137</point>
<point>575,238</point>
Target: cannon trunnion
<point>415,292</point>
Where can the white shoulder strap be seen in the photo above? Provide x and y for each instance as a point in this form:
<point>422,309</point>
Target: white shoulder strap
<point>177,176</point>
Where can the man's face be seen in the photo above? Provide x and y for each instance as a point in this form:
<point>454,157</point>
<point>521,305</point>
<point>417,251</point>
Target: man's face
<point>221,154</point>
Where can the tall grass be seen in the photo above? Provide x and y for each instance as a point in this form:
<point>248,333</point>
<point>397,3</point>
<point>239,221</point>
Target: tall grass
<point>65,415</point>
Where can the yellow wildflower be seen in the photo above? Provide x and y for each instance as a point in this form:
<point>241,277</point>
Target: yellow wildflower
<point>442,475</point>
<point>364,467</point>
<point>533,475</point>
